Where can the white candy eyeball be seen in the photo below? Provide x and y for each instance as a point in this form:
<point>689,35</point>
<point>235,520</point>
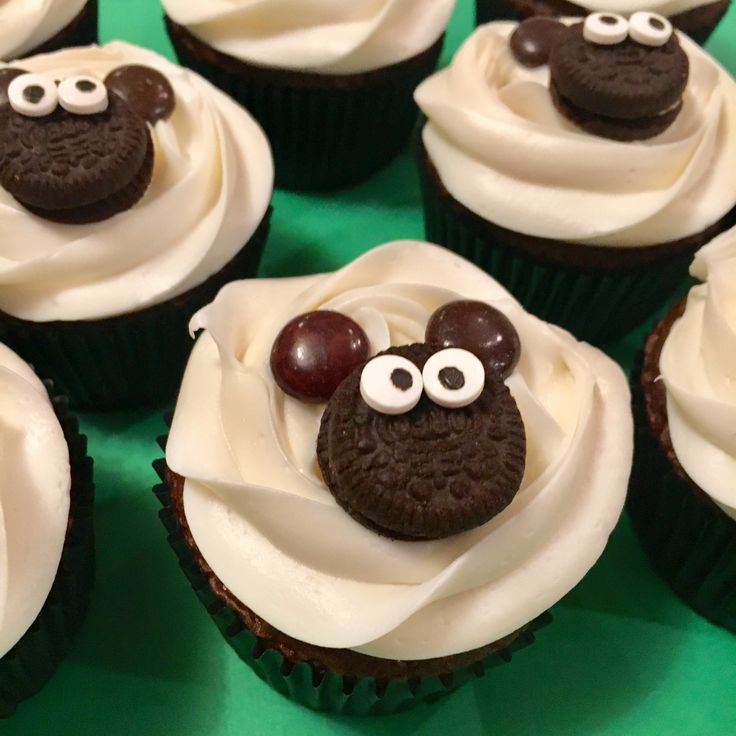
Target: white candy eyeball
<point>83,95</point>
<point>605,29</point>
<point>453,378</point>
<point>33,95</point>
<point>391,384</point>
<point>649,29</point>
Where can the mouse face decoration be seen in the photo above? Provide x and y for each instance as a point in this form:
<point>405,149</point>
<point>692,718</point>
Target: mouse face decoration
<point>613,77</point>
<point>422,441</point>
<point>79,149</point>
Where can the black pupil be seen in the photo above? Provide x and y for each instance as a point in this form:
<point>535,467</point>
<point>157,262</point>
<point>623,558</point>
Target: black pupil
<point>609,20</point>
<point>84,85</point>
<point>401,378</point>
<point>33,93</point>
<point>656,23</point>
<point>451,378</point>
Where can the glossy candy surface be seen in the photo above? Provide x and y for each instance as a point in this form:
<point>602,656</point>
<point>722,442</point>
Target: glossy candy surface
<point>315,352</point>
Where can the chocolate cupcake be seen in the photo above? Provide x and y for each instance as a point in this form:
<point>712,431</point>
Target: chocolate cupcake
<point>46,535</point>
<point>697,18</point>
<point>426,468</point>
<point>28,28</point>
<point>130,192</point>
<point>331,84</point>
<point>581,164</point>
<point>682,499</point>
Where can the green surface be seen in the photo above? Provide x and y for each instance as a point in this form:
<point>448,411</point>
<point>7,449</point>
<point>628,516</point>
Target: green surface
<point>624,656</point>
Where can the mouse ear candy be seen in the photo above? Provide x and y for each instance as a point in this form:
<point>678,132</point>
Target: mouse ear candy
<point>315,351</point>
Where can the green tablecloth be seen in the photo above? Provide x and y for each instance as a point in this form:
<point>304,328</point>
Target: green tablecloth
<point>624,656</point>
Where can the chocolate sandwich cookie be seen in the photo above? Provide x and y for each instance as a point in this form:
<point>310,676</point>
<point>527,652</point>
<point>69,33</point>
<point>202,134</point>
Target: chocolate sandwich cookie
<point>618,78</point>
<point>76,151</point>
<point>422,444</point>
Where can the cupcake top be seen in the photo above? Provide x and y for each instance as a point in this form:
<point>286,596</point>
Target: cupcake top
<point>195,173</point>
<point>497,135</point>
<point>25,25</point>
<point>258,487</point>
<point>698,367</point>
<point>34,497</point>
<point>325,36</point>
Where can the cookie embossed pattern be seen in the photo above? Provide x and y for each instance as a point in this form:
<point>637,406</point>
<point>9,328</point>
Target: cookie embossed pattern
<point>581,163</point>
<point>98,147</point>
<point>455,484</point>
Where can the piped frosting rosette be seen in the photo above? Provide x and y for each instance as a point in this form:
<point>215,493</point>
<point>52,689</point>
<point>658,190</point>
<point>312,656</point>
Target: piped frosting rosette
<point>498,143</point>
<point>25,25</point>
<point>271,531</point>
<point>333,37</point>
<point>698,366</point>
<point>34,497</point>
<point>210,188</point>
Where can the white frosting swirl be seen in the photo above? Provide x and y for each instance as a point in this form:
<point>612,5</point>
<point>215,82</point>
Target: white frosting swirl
<point>211,185</point>
<point>34,497</point>
<point>698,366</point>
<point>503,150</point>
<point>628,7</point>
<point>326,36</point>
<point>26,24</point>
<point>272,532</point>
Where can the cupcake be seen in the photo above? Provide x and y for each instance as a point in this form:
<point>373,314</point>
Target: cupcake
<point>46,534</point>
<point>28,28</point>
<point>697,18</point>
<point>331,83</point>
<point>682,500</point>
<point>581,164</point>
<point>379,487</point>
<point>129,194</point>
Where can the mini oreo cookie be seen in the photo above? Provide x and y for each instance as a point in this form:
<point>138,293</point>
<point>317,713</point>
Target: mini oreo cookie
<point>626,91</point>
<point>72,168</point>
<point>426,474</point>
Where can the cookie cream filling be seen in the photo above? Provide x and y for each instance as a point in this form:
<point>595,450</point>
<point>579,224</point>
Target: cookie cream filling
<point>326,36</point>
<point>34,497</point>
<point>25,24</point>
<point>499,144</point>
<point>273,533</point>
<point>211,185</point>
<point>698,367</point>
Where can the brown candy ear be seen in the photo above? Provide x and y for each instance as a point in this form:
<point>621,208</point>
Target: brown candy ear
<point>148,92</point>
<point>7,75</point>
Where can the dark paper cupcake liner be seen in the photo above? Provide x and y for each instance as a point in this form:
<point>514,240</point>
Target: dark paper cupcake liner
<point>81,31</point>
<point>132,360</point>
<point>698,23</point>
<point>26,668</point>
<point>315,686</point>
<point>689,540</point>
<point>599,294</point>
<point>326,131</point>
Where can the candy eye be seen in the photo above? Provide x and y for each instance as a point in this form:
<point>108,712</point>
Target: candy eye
<point>391,384</point>
<point>453,378</point>
<point>605,29</point>
<point>33,95</point>
<point>649,29</point>
<point>83,95</point>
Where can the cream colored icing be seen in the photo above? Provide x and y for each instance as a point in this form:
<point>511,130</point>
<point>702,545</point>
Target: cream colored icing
<point>698,367</point>
<point>34,497</point>
<point>502,149</point>
<point>327,36</point>
<point>265,522</point>
<point>211,185</point>
<point>25,24</point>
<point>627,7</point>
